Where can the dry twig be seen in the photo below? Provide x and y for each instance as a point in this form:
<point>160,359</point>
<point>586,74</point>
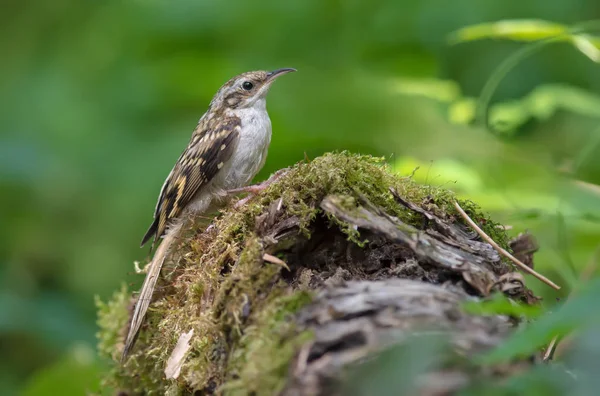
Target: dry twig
<point>502,251</point>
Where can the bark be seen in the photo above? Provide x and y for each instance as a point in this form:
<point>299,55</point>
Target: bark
<point>352,320</point>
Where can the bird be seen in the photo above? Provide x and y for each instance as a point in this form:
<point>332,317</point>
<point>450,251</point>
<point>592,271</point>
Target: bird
<point>227,149</point>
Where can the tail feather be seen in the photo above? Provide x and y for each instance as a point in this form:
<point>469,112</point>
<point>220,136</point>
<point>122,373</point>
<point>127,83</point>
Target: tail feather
<point>151,232</point>
<point>147,290</point>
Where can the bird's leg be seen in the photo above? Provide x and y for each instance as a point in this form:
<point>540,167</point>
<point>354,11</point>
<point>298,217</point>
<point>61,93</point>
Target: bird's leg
<point>256,188</point>
<point>253,189</point>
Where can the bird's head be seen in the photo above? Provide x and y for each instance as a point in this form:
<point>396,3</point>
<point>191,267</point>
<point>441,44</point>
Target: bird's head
<point>247,90</point>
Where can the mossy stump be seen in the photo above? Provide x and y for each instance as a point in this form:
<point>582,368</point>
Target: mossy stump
<point>366,259</point>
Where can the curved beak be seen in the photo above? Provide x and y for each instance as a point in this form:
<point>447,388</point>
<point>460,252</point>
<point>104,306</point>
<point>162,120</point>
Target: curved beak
<point>279,72</point>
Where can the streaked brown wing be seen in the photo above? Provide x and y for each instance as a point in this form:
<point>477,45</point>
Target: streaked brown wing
<point>210,147</point>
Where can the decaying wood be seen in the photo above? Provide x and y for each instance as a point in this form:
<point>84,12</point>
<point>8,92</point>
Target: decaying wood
<point>452,250</point>
<point>392,280</point>
<point>523,247</point>
<point>354,319</point>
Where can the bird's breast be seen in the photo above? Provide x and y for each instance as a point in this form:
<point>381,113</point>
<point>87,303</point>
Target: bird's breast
<point>251,151</point>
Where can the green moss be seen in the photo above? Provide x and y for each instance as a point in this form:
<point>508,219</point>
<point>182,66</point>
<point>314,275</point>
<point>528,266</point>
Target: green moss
<point>238,305</point>
<point>260,361</point>
<point>112,316</point>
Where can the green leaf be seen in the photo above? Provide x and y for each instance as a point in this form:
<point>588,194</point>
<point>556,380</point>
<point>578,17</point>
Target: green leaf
<point>541,104</point>
<point>542,380</point>
<point>499,304</point>
<point>393,371</point>
<point>462,112</point>
<point>517,29</point>
<point>541,33</point>
<point>579,312</point>
<point>587,45</point>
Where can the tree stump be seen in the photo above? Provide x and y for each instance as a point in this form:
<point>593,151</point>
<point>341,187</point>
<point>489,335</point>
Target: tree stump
<point>338,273</point>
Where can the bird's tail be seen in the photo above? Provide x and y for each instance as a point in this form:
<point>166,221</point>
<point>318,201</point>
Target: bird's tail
<point>148,287</point>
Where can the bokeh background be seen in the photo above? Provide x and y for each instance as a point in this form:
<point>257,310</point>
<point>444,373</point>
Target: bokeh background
<point>100,97</point>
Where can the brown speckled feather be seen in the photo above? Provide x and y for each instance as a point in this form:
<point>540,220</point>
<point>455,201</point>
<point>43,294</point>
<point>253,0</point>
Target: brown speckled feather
<point>211,145</point>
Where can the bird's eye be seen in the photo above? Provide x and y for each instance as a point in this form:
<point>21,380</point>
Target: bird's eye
<point>247,85</point>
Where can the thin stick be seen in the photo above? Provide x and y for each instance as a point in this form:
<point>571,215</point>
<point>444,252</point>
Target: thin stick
<point>550,350</point>
<point>503,251</point>
<point>593,188</point>
<point>585,276</point>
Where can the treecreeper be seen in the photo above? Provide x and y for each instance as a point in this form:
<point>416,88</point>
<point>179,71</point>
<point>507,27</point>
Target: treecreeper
<point>227,149</point>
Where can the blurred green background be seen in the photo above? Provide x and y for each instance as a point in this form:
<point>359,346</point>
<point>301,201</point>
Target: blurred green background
<point>100,97</point>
